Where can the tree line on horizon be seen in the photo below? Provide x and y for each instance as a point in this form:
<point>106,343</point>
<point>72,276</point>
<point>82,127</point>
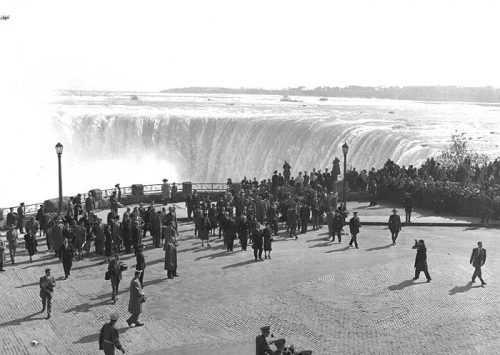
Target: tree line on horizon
<point>485,94</point>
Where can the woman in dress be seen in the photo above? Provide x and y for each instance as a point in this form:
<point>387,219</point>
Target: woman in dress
<point>268,240</point>
<point>204,227</point>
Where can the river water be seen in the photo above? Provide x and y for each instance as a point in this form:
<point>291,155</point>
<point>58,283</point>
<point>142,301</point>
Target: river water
<point>109,138</point>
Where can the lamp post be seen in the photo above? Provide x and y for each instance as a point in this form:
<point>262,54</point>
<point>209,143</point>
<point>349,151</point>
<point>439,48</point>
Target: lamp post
<point>345,150</point>
<point>59,150</point>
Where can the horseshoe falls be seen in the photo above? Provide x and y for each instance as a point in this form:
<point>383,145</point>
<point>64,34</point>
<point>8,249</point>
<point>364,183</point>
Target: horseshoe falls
<point>110,138</point>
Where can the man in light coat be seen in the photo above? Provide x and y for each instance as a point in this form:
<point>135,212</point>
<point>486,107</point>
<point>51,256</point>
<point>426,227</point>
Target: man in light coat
<point>136,300</point>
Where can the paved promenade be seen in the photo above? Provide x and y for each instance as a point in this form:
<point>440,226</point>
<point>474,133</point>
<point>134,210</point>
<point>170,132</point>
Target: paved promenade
<point>318,295</point>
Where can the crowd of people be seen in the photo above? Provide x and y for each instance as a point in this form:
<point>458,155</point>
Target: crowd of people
<point>250,211</point>
<point>466,189</point>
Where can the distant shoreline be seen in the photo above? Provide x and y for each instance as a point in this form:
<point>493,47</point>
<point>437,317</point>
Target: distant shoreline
<point>480,95</point>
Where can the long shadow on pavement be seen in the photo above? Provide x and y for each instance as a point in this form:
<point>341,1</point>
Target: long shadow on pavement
<point>325,244</point>
<point>316,240</point>
<point>29,285</point>
<point>460,289</point>
<point>19,321</point>
<point>243,263</point>
<point>404,284</point>
<point>94,338</point>
<point>335,250</point>
<point>380,248</point>
<point>54,261</point>
<point>213,256</point>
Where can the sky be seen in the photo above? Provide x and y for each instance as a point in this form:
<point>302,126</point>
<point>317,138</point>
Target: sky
<point>152,45</point>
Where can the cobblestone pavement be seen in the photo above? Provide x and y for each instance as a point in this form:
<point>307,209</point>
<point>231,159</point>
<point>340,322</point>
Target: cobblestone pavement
<point>318,295</point>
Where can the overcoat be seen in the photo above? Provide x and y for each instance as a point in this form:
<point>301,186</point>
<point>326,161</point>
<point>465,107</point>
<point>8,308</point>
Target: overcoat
<point>135,300</point>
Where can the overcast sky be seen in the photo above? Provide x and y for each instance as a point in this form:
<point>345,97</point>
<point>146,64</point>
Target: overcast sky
<point>150,45</point>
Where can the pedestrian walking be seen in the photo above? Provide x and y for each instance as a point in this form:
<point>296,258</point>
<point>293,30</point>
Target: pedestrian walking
<point>268,241</point>
<point>394,225</point>
<point>12,240</point>
<point>203,229</point>
<point>354,225</point>
<point>66,253</point>
<point>421,260</point>
<point>140,263</point>
<point>477,259</point>
<point>135,301</point>
<point>30,244</point>
<point>47,284</point>
<point>115,269</point>
<point>109,339</point>
<point>337,226</point>
<point>257,241</point>
<point>170,248</point>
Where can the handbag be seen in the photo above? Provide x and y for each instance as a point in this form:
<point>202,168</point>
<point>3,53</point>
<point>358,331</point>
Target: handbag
<point>143,299</point>
<point>107,275</point>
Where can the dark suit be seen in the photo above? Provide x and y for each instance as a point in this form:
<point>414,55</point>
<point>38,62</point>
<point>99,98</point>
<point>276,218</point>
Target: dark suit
<point>46,292</point>
<point>394,226</point>
<point>261,346</point>
<point>477,259</point>
<point>354,225</point>
<point>421,262</point>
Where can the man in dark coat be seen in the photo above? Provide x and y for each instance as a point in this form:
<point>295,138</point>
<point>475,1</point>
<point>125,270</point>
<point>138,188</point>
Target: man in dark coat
<point>354,225</point>
<point>477,259</point>
<point>230,233</point>
<point>261,344</point>
<point>243,228</point>
<point>394,225</point>
<point>115,269</point>
<point>257,241</point>
<point>12,217</point>
<point>140,263</point>
<point>421,260</point>
<point>89,203</point>
<point>66,252</point>
<point>337,226</point>
<point>408,205</point>
<point>109,339</point>
<point>20,218</point>
<point>305,213</point>
<point>47,284</point>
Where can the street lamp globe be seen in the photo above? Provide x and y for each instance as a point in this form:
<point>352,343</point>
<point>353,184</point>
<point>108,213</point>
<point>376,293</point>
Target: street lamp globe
<point>59,148</point>
<point>345,149</point>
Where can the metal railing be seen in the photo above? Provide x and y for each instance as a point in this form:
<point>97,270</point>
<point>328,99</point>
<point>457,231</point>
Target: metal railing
<point>32,209</point>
